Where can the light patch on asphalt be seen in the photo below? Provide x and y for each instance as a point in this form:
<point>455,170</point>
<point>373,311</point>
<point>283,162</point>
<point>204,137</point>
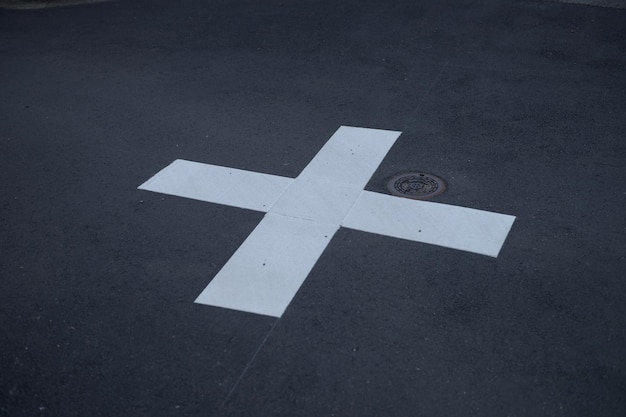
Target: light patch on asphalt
<point>303,214</point>
<point>36,4</point>
<point>615,4</point>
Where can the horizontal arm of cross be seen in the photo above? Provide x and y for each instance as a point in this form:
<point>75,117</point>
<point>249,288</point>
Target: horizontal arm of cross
<point>462,228</point>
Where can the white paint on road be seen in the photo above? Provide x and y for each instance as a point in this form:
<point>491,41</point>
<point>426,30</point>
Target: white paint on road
<point>215,184</point>
<point>304,213</point>
<point>269,267</point>
<point>454,227</point>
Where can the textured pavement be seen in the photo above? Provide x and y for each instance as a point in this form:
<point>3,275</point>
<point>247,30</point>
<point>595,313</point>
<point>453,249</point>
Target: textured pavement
<point>520,106</point>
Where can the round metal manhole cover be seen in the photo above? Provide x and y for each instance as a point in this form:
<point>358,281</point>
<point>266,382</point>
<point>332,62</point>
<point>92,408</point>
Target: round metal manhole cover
<point>416,185</point>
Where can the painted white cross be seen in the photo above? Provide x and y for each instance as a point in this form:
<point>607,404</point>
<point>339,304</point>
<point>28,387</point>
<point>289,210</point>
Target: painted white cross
<point>303,214</point>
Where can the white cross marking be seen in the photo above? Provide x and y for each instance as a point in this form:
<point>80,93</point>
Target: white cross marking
<point>303,214</point>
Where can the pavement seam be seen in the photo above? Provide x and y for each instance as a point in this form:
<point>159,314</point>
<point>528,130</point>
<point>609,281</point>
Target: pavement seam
<point>250,362</point>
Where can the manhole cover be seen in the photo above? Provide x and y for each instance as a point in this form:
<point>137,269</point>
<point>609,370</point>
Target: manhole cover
<point>416,185</point>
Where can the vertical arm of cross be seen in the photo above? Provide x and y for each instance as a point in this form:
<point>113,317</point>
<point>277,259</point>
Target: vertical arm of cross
<point>267,270</point>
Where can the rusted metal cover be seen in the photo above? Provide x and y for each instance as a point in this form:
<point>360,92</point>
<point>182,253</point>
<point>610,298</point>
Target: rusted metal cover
<point>416,185</point>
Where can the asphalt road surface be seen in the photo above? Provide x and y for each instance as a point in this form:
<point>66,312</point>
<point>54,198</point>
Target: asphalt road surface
<point>520,106</point>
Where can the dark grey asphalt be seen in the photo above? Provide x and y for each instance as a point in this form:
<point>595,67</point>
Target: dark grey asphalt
<point>519,105</point>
